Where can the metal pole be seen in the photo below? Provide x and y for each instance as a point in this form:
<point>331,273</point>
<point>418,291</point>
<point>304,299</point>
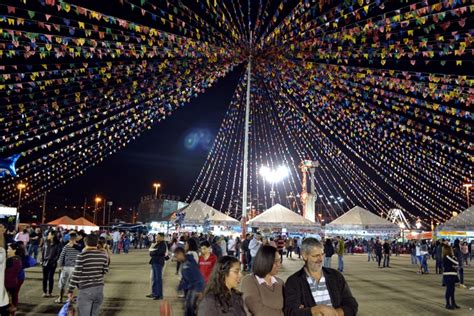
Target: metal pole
<point>246,144</point>
<point>103,214</point>
<point>108,223</point>
<point>43,217</point>
<point>19,200</point>
<point>85,205</point>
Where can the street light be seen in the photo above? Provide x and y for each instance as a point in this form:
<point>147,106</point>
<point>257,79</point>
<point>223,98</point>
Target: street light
<point>468,187</point>
<point>418,223</point>
<point>156,186</point>
<point>274,176</point>
<point>97,201</point>
<point>402,228</point>
<point>20,187</point>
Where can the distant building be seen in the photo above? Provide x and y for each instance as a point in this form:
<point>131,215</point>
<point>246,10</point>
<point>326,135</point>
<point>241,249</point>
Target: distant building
<point>159,209</point>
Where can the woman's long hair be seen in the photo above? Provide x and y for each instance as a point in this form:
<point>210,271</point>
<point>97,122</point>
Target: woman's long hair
<point>216,285</point>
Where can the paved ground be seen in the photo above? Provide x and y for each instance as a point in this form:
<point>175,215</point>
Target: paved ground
<point>395,291</point>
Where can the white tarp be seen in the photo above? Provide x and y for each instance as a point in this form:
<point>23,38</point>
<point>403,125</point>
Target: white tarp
<point>197,212</point>
<point>279,217</point>
<point>360,220</point>
<point>7,211</point>
<point>464,222</point>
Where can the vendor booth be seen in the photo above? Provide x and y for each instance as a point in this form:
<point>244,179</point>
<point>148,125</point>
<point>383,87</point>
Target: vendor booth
<point>361,223</point>
<point>9,216</point>
<point>201,217</point>
<point>83,224</point>
<point>460,226</point>
<point>64,222</point>
<point>281,219</point>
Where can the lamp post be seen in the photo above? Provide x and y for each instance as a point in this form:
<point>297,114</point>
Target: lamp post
<point>468,187</point>
<point>273,176</point>
<point>402,228</point>
<point>20,187</point>
<point>156,186</point>
<point>97,201</point>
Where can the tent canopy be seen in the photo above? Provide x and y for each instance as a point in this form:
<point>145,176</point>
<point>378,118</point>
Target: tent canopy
<point>279,216</point>
<point>65,220</point>
<point>362,219</point>
<point>81,221</point>
<point>464,221</point>
<point>197,212</point>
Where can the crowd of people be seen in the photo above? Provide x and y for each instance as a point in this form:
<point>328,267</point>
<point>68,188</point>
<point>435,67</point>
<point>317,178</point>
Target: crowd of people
<point>210,269</point>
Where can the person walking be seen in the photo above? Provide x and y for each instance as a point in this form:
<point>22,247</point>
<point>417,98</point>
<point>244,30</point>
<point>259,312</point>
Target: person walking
<point>450,276</point>
<point>246,252</point>
<point>115,241</point>
<point>386,254</point>
<point>316,290</point>
<point>157,252</point>
<point>88,277</point>
<point>289,247</point>
<point>378,252</point>
<point>49,262</point>
<point>328,252</point>
<point>280,243</point>
<point>207,260</point>
<point>12,271</point>
<point>66,263</point>
<point>340,254</point>
<point>4,300</point>
<point>221,297</point>
<point>192,281</point>
<point>262,289</point>
<point>231,246</point>
<point>439,257</point>
<point>35,238</point>
<point>254,246</point>
<point>458,255</point>
<point>370,248</point>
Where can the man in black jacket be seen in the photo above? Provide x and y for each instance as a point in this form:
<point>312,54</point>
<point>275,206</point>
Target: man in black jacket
<point>158,251</point>
<point>315,290</point>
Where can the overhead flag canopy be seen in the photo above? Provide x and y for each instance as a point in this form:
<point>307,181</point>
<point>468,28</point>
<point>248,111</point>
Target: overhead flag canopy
<point>379,92</point>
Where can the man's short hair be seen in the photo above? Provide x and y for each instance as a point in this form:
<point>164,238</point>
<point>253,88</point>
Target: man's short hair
<point>179,250</point>
<point>72,235</point>
<point>162,235</point>
<point>91,240</point>
<point>205,243</point>
<point>309,243</point>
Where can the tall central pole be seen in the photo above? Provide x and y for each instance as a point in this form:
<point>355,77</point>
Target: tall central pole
<point>246,144</point>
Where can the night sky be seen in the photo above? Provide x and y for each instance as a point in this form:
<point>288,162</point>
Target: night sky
<point>161,154</point>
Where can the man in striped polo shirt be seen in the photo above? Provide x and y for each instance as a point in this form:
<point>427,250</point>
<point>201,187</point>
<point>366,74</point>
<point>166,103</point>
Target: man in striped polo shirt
<point>88,277</point>
<point>66,262</point>
<point>315,290</point>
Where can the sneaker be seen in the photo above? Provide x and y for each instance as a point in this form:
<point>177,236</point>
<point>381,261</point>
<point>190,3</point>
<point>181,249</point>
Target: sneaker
<point>45,295</point>
<point>181,295</point>
<point>456,306</point>
<point>156,298</point>
<point>449,307</point>
<point>462,286</point>
<point>58,300</point>
<point>149,296</point>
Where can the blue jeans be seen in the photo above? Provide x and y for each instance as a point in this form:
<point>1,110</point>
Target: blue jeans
<point>190,303</point>
<point>369,254</point>
<point>115,246</point>
<point>340,263</point>
<point>157,283</point>
<point>33,250</point>
<point>413,259</point>
<point>327,262</point>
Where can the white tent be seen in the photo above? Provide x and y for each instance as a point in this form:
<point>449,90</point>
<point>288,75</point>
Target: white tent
<point>359,221</point>
<point>83,224</point>
<point>9,216</point>
<point>279,217</point>
<point>461,225</point>
<point>197,212</point>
